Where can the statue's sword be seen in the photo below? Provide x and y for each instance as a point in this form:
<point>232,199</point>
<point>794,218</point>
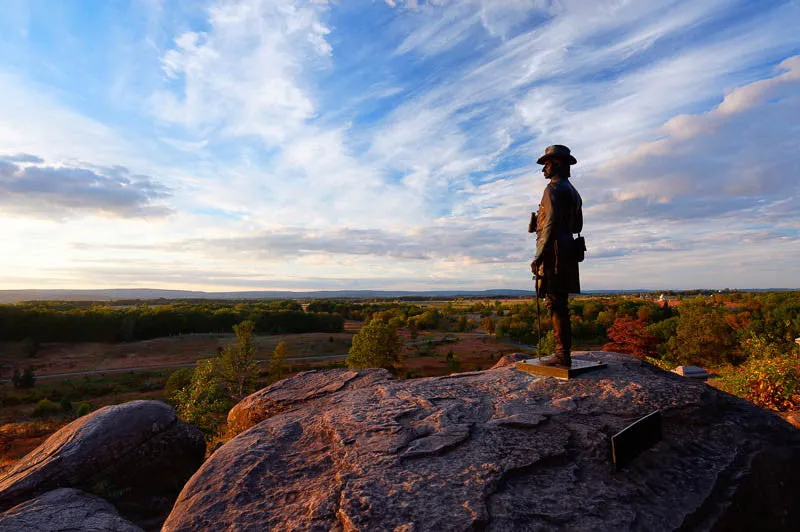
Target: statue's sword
<point>538,318</point>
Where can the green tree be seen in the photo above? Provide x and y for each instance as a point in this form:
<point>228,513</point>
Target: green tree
<point>236,365</point>
<point>376,345</point>
<point>202,402</point>
<point>277,366</point>
<point>703,335</point>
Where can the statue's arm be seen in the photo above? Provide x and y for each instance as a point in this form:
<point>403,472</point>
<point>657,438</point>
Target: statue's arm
<point>545,234</point>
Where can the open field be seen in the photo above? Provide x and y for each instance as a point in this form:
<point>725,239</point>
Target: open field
<point>55,358</point>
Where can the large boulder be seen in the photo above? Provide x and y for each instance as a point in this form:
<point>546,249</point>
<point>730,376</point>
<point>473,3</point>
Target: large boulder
<point>63,510</point>
<point>298,390</point>
<point>503,450</point>
<point>137,455</point>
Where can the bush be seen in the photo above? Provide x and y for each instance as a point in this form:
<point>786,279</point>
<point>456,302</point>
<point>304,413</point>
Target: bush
<point>83,408</point>
<point>178,380</point>
<point>66,405</point>
<point>769,379</point>
<point>30,347</point>
<point>46,408</point>
<point>25,380</point>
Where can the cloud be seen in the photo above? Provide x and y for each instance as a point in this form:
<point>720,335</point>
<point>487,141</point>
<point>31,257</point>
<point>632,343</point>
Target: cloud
<point>43,191</point>
<point>21,158</point>
<point>243,76</point>
<point>735,158</point>
<point>460,241</point>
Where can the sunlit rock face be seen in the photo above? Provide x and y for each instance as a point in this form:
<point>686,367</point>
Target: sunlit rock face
<point>498,450</point>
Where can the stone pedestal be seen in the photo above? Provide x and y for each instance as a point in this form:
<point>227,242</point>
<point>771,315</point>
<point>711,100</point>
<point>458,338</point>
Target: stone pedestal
<point>578,367</point>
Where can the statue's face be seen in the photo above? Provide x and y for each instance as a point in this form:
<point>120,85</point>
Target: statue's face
<point>551,168</point>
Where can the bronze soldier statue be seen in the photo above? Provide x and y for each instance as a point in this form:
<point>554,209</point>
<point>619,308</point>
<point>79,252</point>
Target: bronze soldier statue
<point>557,253</point>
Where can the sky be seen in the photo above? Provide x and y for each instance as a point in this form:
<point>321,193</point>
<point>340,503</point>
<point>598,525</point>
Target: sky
<point>295,145</point>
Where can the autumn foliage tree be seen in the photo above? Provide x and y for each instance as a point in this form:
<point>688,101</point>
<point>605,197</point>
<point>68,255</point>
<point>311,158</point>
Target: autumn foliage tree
<point>629,335</point>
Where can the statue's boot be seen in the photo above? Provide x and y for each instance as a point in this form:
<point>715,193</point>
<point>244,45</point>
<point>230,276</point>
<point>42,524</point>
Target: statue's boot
<point>554,360</point>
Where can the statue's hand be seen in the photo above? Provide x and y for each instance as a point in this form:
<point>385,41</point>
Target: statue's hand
<point>535,265</point>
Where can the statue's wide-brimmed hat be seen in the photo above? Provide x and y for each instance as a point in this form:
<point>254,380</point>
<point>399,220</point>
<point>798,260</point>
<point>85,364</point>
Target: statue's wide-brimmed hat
<point>557,151</point>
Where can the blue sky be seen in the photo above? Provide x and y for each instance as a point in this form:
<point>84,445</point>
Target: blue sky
<point>270,144</point>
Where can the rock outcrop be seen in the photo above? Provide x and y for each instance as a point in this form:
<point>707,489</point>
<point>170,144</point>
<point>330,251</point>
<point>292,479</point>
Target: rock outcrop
<point>498,450</point>
<point>301,389</point>
<point>62,510</point>
<point>136,455</point>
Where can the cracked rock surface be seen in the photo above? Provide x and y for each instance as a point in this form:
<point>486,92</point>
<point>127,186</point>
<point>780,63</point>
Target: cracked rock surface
<point>136,455</point>
<point>497,450</point>
<point>63,510</point>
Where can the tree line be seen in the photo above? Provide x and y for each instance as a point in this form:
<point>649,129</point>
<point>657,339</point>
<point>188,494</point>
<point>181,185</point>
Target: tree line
<point>58,322</point>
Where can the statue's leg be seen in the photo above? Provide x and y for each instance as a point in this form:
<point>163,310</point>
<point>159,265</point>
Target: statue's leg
<point>558,304</point>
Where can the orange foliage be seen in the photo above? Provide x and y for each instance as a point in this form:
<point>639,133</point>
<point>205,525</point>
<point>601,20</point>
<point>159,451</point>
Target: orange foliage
<point>628,335</point>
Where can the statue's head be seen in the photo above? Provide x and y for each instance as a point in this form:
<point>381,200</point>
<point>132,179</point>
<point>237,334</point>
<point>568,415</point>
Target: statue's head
<point>556,160</point>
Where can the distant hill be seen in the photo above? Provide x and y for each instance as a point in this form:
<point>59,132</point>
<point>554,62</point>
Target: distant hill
<point>14,296</point>
<point>116,294</point>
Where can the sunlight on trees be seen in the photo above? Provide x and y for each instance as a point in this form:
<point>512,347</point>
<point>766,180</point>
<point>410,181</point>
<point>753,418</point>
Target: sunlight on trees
<point>204,399</point>
<point>236,366</point>
<point>376,345</point>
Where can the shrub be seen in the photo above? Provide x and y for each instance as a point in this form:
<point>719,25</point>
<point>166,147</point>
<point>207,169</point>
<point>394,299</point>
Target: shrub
<point>46,408</point>
<point>66,405</point>
<point>30,347</point>
<point>453,362</point>
<point>83,408</point>
<point>25,380</point>
<point>770,378</point>
<point>178,380</point>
